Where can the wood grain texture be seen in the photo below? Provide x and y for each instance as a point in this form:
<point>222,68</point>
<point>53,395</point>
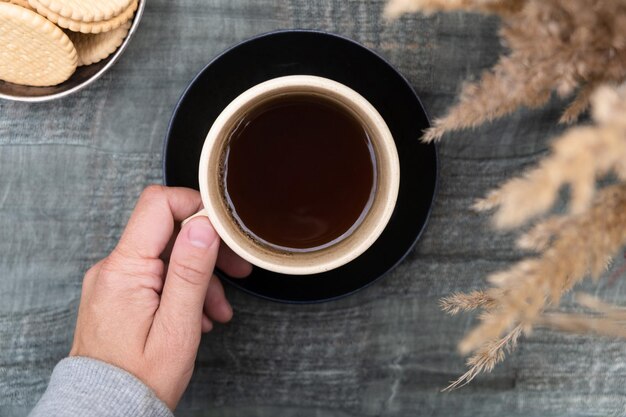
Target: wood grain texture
<point>71,170</point>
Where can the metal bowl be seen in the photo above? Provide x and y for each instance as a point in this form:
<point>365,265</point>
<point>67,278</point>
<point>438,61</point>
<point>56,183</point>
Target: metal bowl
<point>83,76</point>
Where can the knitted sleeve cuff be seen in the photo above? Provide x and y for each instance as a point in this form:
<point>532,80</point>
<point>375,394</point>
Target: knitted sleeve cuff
<point>87,387</point>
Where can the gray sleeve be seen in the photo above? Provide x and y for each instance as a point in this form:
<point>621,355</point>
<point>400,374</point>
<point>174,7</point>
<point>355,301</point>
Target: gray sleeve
<point>83,387</point>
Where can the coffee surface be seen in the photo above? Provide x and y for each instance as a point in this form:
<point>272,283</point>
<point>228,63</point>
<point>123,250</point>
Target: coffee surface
<point>299,173</point>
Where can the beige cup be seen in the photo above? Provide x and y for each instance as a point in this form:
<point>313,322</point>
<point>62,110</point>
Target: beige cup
<point>300,263</point>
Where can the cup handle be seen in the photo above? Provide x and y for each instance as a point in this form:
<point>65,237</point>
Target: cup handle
<point>202,212</point>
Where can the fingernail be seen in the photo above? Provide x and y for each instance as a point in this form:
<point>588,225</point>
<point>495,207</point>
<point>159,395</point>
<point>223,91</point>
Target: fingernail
<point>201,234</point>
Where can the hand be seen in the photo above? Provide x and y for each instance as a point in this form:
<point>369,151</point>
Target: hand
<point>144,306</point>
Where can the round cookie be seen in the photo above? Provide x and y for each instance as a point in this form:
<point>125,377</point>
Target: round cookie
<point>86,10</point>
<point>94,48</point>
<point>86,27</point>
<point>33,51</point>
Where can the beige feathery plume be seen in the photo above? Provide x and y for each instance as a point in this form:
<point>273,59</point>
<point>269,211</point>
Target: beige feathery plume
<point>580,103</point>
<point>606,319</point>
<point>580,248</point>
<point>458,302</point>
<point>562,46</point>
<point>539,237</point>
<point>583,324</point>
<point>579,158</point>
<point>595,304</point>
<point>555,45</point>
<point>523,292</point>
<point>487,357</point>
<point>396,8</point>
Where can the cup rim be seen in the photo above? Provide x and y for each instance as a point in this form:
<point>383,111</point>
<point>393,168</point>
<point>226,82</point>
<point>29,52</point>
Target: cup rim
<point>231,234</point>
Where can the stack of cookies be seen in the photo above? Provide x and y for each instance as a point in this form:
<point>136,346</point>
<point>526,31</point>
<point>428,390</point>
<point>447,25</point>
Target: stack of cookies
<point>43,41</point>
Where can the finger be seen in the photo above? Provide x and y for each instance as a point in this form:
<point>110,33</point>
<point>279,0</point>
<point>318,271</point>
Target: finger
<point>232,264</point>
<point>207,324</point>
<point>152,222</point>
<point>190,269</point>
<point>167,252</point>
<point>216,306</point>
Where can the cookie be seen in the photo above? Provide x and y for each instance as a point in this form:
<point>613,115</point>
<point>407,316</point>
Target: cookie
<point>94,48</point>
<point>86,10</point>
<point>86,27</point>
<point>33,51</point>
<point>23,3</point>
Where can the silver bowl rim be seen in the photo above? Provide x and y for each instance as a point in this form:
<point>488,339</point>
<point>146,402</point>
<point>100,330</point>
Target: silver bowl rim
<point>113,59</point>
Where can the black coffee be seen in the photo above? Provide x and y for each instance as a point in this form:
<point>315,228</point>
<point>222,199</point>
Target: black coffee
<point>299,173</point>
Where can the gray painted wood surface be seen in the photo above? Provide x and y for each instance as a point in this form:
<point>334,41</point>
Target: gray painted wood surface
<point>70,172</point>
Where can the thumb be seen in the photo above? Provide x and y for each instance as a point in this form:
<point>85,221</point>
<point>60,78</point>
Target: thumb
<point>190,269</point>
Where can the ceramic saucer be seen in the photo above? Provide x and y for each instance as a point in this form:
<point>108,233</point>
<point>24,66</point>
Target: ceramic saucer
<point>315,53</point>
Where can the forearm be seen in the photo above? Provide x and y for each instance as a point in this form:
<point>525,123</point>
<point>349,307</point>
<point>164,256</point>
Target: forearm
<point>83,387</point>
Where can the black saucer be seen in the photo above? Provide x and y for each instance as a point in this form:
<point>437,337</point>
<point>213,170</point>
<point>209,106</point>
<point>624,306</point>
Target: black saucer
<point>315,53</point>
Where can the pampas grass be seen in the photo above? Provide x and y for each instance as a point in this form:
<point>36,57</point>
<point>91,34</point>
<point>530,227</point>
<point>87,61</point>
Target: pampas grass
<point>563,46</point>
<point>602,319</point>
<point>572,48</point>
<point>580,248</point>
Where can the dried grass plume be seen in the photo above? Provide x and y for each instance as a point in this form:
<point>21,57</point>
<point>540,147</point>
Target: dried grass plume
<point>563,46</point>
<point>571,47</point>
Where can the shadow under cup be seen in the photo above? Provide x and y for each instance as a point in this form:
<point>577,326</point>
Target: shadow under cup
<point>288,260</point>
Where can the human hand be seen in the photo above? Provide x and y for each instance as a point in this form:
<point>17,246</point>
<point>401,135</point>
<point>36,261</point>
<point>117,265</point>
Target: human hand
<point>144,306</point>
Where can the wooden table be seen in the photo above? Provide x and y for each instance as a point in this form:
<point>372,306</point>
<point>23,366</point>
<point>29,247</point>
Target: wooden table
<point>71,170</point>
